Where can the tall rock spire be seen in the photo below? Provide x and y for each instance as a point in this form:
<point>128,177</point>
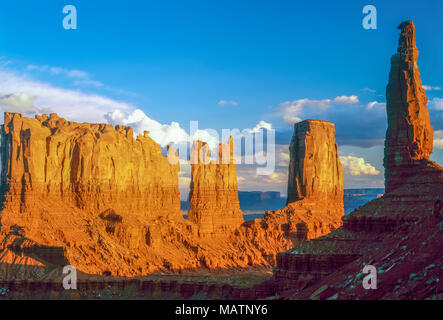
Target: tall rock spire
<point>409,137</point>
<point>214,193</point>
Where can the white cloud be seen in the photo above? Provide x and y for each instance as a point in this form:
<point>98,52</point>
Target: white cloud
<point>70,104</point>
<point>262,125</point>
<point>346,100</point>
<point>430,88</point>
<point>436,104</point>
<point>77,74</point>
<point>227,102</point>
<point>292,110</point>
<point>163,134</point>
<point>438,139</point>
<point>88,83</point>
<point>57,71</point>
<point>375,104</point>
<point>17,102</point>
<point>356,166</point>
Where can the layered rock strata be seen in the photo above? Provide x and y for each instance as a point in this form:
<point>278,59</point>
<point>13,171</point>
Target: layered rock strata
<point>213,197</point>
<point>93,196</point>
<point>315,171</point>
<point>315,183</point>
<point>93,167</point>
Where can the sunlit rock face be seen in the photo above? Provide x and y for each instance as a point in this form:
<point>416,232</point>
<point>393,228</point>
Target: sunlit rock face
<point>315,171</point>
<point>213,195</point>
<point>409,138</point>
<point>315,184</point>
<point>94,167</point>
<point>401,229</point>
<point>92,196</point>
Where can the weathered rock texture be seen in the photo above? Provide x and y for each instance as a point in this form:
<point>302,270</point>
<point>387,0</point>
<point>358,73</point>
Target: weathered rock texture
<point>315,184</point>
<point>315,171</point>
<point>93,196</point>
<point>409,138</point>
<point>94,167</point>
<point>214,193</point>
<point>399,233</point>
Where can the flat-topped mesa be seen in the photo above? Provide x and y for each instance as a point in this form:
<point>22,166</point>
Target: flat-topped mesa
<point>409,138</point>
<point>315,171</point>
<point>214,193</point>
<point>95,167</point>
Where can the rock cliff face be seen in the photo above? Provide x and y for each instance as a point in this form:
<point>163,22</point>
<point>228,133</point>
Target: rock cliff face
<point>315,184</point>
<point>409,138</point>
<point>213,197</point>
<point>315,171</point>
<point>93,196</point>
<point>94,167</point>
<point>399,233</point>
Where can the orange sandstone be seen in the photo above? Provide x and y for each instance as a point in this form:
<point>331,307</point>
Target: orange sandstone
<point>214,193</point>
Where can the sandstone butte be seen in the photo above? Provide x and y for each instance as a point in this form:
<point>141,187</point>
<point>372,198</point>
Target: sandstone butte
<point>401,233</point>
<point>315,180</point>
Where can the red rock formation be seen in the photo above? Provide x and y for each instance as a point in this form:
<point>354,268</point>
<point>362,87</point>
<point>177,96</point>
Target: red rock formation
<point>315,171</point>
<point>214,193</point>
<point>107,203</point>
<point>315,183</point>
<point>377,232</point>
<point>409,137</point>
<point>94,167</point>
<point>95,197</point>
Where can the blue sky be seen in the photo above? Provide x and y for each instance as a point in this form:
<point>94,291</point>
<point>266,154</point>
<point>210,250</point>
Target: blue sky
<point>179,60</point>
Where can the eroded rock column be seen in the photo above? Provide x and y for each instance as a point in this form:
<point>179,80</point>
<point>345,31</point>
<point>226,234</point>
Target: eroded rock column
<point>409,137</point>
<point>214,193</point>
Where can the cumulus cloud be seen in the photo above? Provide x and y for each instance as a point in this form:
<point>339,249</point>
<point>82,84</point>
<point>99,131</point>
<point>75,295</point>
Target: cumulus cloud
<point>430,88</point>
<point>375,104</point>
<point>362,125</point>
<point>18,102</point>
<point>346,100</point>
<point>438,139</point>
<point>227,102</point>
<point>163,134</point>
<point>262,125</point>
<point>436,104</point>
<point>71,104</point>
<point>293,110</point>
<point>356,166</point>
